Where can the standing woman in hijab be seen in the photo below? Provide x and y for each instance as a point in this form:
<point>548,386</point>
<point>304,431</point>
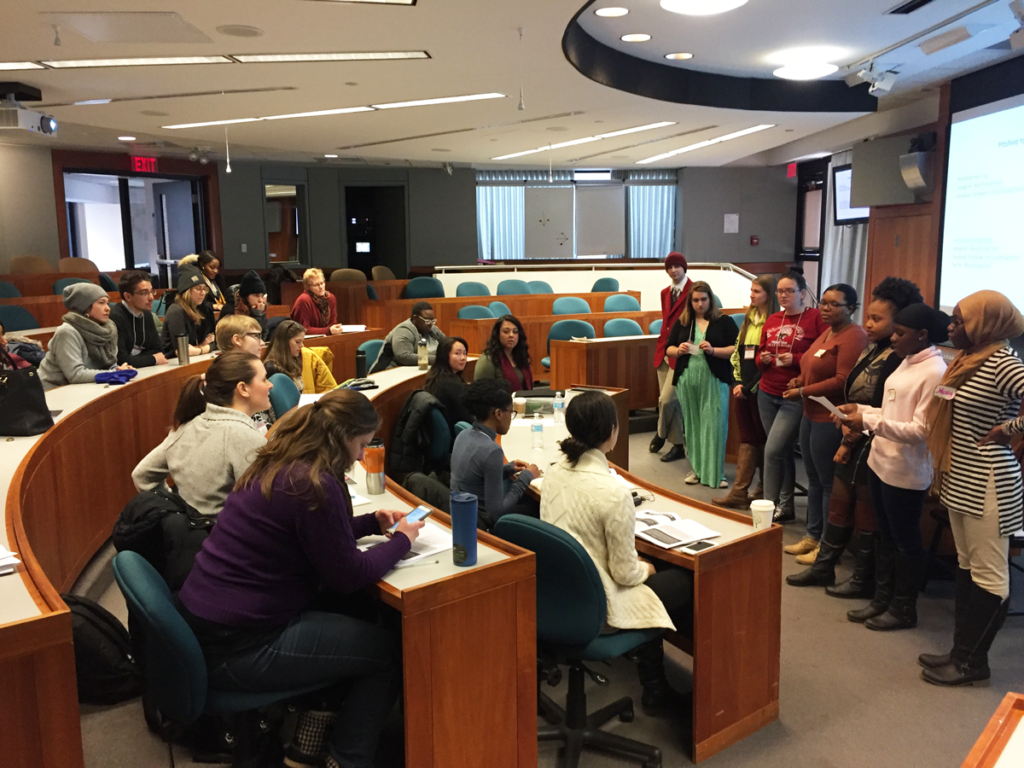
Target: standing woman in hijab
<point>972,418</point>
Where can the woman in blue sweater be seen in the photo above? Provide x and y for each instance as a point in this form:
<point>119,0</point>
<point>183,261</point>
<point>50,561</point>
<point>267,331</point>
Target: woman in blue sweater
<point>285,541</point>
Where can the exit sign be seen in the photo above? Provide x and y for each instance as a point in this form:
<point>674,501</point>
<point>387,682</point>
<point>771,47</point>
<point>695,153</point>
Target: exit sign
<point>144,164</point>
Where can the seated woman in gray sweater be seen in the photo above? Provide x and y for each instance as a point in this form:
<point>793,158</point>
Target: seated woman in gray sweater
<point>86,342</point>
<point>214,439</point>
<point>478,462</point>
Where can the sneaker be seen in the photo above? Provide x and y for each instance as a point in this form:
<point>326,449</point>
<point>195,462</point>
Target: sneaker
<point>802,547</point>
<point>723,484</point>
<point>809,558</point>
<point>691,478</point>
<point>783,516</point>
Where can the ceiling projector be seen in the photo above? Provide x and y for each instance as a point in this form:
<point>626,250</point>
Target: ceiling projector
<point>15,117</point>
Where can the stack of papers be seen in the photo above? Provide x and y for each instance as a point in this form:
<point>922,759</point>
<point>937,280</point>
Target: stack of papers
<point>432,541</point>
<point>357,500</point>
<point>8,561</point>
<point>352,328</point>
<point>668,530</point>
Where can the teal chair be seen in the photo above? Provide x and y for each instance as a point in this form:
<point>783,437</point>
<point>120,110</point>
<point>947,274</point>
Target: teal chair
<point>175,669</point>
<point>655,327</point>
<point>564,330</point>
<point>738,318</point>
<point>371,293</point>
<point>462,426</point>
<point>424,288</point>
<point>474,312</point>
<point>499,308</point>
<point>621,302</point>
<point>15,318</point>
<point>605,285</point>
<point>539,286</point>
<point>438,454</point>
<point>372,349</point>
<point>64,282</point>
<point>571,613</point>
<point>472,289</point>
<point>107,282</point>
<point>284,396</point>
<point>161,305</point>
<point>9,290</point>
<point>570,305</point>
<point>513,287</point>
<point>622,326</point>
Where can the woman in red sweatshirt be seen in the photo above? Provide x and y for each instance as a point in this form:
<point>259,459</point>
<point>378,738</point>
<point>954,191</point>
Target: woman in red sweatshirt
<point>787,335</point>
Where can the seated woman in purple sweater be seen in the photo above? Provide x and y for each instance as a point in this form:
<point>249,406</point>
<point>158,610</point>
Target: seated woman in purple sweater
<point>284,546</point>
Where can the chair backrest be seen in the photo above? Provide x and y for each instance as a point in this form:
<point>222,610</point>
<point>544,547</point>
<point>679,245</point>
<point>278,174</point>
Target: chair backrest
<point>372,349</point>
<point>474,312</point>
<point>622,302</point>
<point>571,602</point>
<point>75,264</point>
<point>655,326</point>
<point>570,305</point>
<point>738,317</point>
<point>176,669</point>
<point>371,292</point>
<point>424,288</point>
<point>161,304</point>
<point>9,290</point>
<point>15,318</point>
<point>605,285</point>
<point>622,326</point>
<point>284,396</point>
<point>499,308</point>
<point>439,444</point>
<point>382,273</point>
<point>107,282</point>
<point>64,282</point>
<point>513,287</point>
<point>348,276</point>
<point>462,426</point>
<point>472,289</point>
<point>30,265</point>
<point>564,330</point>
<point>539,286</point>
<point>272,324</point>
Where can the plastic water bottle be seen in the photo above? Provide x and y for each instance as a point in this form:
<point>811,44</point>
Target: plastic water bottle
<point>559,407</point>
<point>537,432</point>
<point>422,356</point>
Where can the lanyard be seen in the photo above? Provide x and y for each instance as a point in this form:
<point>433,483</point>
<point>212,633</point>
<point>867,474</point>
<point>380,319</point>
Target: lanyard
<point>800,317</point>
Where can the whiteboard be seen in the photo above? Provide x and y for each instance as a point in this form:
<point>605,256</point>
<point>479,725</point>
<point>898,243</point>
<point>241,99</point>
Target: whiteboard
<point>549,223</point>
<point>600,219</point>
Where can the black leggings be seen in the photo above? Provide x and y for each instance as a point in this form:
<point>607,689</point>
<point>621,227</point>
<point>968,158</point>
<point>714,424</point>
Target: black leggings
<point>674,587</point>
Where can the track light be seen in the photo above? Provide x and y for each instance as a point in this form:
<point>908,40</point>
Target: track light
<point>881,82</point>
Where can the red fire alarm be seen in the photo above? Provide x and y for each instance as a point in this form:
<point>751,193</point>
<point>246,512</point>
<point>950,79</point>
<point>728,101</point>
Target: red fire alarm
<point>754,239</point>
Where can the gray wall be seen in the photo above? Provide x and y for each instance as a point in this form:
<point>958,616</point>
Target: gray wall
<point>28,212</point>
<point>763,197</point>
<point>241,216</point>
<point>442,216</point>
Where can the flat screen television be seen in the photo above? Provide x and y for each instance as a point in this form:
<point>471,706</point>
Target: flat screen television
<point>842,181</point>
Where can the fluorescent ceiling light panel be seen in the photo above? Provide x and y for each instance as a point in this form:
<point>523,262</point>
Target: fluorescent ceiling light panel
<point>318,113</point>
<point>701,7</point>
<point>11,66</point>
<point>276,58</point>
<point>89,102</point>
<point>636,37</point>
<point>611,12</point>
<point>212,122</point>
<point>376,2</point>
<point>142,62</point>
<point>126,138</point>
<point>585,140</point>
<point>446,100</point>
<point>707,143</point>
<point>638,129</point>
<point>678,56</point>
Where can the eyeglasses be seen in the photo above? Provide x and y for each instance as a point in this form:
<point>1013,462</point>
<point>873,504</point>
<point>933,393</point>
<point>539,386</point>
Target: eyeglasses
<point>785,291</point>
<point>425,321</point>
<point>830,305</point>
<point>255,335</point>
<point>143,294</point>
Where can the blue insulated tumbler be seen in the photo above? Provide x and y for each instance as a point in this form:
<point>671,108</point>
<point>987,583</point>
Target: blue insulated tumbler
<point>464,528</point>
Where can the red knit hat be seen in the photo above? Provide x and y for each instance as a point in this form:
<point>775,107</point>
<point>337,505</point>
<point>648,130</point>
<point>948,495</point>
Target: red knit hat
<point>675,259</point>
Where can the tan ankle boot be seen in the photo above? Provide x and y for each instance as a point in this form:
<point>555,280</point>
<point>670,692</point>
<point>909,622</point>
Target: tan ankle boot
<point>746,463</point>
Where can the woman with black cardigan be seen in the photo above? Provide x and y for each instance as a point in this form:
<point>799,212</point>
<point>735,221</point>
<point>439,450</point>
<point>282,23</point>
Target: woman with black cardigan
<point>702,343</point>
<point>445,382</point>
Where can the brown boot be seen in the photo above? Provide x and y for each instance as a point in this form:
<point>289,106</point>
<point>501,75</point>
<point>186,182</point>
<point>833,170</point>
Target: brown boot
<point>746,463</point>
<point>758,490</point>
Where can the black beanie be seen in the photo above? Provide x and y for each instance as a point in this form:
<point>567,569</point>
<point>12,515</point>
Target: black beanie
<point>189,277</point>
<point>921,317</point>
<point>251,283</point>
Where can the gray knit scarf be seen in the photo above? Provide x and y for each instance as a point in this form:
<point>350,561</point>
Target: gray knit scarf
<point>100,338</point>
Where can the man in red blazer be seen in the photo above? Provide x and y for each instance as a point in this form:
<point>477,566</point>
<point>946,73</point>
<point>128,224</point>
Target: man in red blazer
<point>670,415</point>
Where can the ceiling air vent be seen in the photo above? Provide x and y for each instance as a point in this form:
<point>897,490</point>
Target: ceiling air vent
<point>908,7</point>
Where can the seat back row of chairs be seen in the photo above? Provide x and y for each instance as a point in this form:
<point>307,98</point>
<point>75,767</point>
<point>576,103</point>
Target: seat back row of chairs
<point>432,288</point>
<point>564,305</point>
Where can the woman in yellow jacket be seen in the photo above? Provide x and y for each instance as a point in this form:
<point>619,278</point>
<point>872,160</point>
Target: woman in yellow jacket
<point>303,365</point>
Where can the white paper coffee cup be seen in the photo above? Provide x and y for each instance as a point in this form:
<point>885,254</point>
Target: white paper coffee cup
<point>762,512</point>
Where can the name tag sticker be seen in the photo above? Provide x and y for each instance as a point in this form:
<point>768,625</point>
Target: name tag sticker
<point>748,353</point>
<point>892,395</point>
<point>946,393</point>
<point>819,353</point>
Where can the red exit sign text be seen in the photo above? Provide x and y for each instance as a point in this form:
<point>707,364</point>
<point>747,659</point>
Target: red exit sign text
<point>144,164</point>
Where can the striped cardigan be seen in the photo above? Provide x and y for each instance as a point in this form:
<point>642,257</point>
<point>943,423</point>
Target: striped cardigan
<point>990,397</point>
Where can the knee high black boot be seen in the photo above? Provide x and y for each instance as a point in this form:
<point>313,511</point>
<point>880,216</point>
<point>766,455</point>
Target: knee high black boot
<point>885,576</point>
<point>862,583</point>
<point>962,597</point>
<point>650,668</point>
<point>902,612</point>
<point>983,618</point>
<point>823,572</point>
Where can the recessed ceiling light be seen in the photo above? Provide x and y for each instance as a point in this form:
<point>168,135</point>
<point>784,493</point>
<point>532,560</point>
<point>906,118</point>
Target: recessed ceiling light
<point>701,7</point>
<point>585,140</point>
<point>126,138</point>
<point>143,62</point>
<point>638,37</point>
<point>446,100</point>
<point>331,156</point>
<point>278,58</point>
<point>240,30</point>
<point>805,70</point>
<point>678,56</point>
<point>611,12</point>
<point>814,53</point>
<point>11,66</point>
<point>707,143</point>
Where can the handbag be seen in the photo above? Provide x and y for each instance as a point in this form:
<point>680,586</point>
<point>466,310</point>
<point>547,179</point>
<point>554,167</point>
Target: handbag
<point>23,408</point>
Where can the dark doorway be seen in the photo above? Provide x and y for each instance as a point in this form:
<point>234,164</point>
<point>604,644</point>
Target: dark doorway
<point>375,224</point>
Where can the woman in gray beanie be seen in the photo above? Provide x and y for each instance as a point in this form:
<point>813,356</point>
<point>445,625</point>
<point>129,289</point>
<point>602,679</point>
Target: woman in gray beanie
<point>86,342</point>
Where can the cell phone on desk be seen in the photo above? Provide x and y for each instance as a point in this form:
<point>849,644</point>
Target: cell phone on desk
<point>420,513</point>
<point>697,546</point>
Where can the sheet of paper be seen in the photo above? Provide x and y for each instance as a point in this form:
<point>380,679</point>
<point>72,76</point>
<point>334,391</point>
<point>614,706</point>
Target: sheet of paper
<point>824,401</point>
<point>357,500</point>
<point>670,531</point>
<point>691,348</point>
<point>308,399</point>
<point>432,541</point>
<point>732,223</point>
<point>352,328</point>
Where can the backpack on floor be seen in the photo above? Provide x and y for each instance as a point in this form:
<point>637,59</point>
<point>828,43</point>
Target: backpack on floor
<point>104,664</point>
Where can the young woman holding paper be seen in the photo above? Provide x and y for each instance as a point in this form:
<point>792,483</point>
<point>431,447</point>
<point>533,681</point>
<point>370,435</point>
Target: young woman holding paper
<point>701,344</point>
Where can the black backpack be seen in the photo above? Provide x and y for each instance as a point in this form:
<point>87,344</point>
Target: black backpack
<point>104,665</point>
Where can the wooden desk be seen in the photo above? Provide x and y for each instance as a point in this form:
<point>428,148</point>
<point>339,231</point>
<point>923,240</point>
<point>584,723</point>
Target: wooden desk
<point>537,327</point>
<point>344,350</point>
<point>49,310</point>
<point>988,749</point>
<point>42,284</point>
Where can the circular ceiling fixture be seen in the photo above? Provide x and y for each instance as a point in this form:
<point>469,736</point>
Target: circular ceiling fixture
<point>611,12</point>
<point>805,70</point>
<point>810,63</point>
<point>701,7</point>
<point>638,37</point>
<point>678,56</point>
<point>240,30</point>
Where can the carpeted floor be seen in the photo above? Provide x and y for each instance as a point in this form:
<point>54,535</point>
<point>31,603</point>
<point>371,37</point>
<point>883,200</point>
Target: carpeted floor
<point>849,697</point>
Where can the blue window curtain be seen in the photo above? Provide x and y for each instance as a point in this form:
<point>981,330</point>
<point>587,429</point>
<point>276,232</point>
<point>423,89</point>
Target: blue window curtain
<point>500,222</point>
<point>651,201</point>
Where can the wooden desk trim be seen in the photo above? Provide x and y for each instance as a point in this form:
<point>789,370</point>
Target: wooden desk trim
<point>993,740</point>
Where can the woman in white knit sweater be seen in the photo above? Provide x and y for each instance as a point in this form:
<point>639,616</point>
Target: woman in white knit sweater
<point>581,497</point>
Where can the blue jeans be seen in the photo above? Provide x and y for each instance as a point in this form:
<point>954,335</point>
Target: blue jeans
<point>781,421</point>
<point>819,442</point>
<point>899,514</point>
<point>360,662</point>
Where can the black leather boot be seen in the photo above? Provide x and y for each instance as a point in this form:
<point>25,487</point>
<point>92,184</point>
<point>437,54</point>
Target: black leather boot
<point>675,453</point>
<point>962,597</point>
<point>657,443</point>
<point>650,668</point>
<point>885,575</point>
<point>983,618</point>
<point>862,584</point>
<point>830,548</point>
<point>902,611</point>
